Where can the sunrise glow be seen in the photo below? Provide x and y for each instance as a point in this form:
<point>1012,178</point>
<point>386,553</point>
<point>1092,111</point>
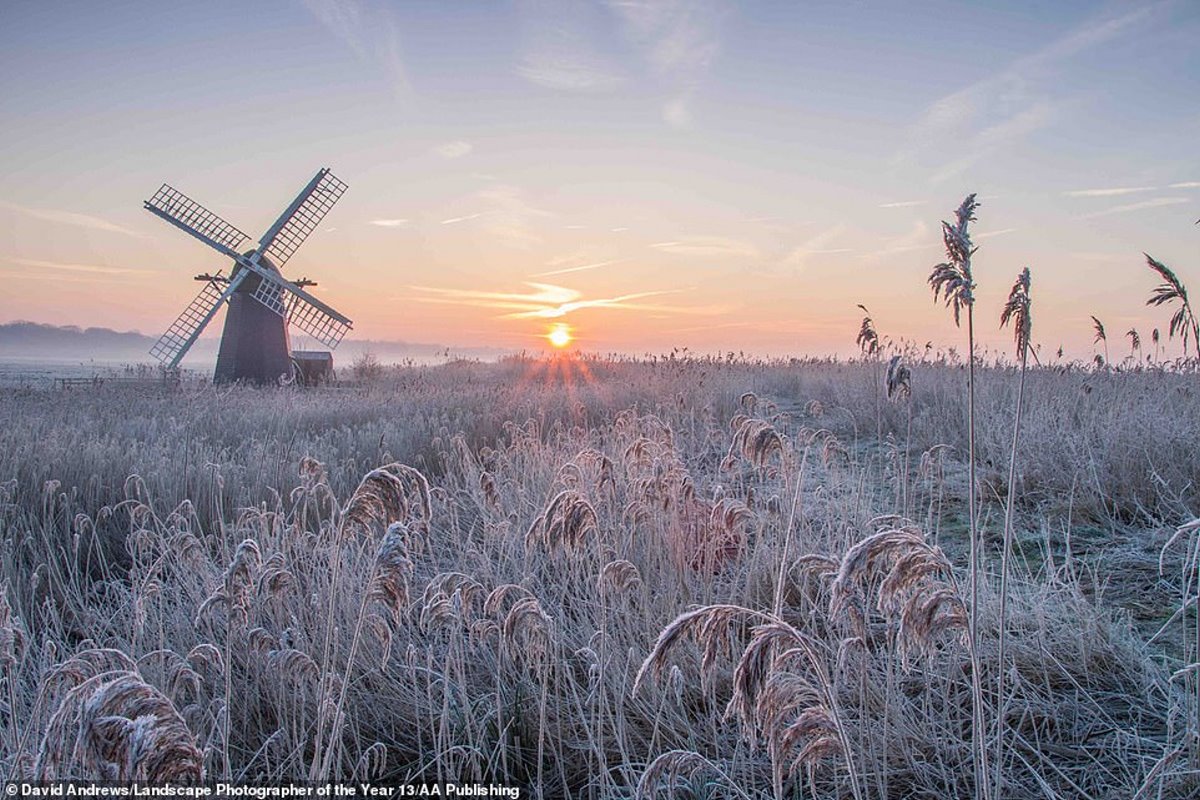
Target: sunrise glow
<point>559,335</point>
<point>709,175</point>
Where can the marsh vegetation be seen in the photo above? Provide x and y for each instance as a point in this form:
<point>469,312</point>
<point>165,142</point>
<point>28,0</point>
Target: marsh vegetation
<point>214,560</point>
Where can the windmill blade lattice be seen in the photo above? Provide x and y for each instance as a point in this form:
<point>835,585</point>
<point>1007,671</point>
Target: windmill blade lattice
<point>302,217</point>
<point>302,310</point>
<point>171,346</point>
<point>183,212</point>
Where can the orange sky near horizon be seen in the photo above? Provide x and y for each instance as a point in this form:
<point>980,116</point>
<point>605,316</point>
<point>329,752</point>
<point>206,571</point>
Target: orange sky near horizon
<point>722,180</point>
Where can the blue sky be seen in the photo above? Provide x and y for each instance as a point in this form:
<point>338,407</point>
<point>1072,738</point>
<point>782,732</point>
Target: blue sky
<point>714,175</point>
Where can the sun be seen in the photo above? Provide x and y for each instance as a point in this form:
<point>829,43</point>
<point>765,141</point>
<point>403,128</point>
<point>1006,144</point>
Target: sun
<point>559,335</point>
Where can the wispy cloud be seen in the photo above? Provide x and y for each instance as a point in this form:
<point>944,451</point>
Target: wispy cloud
<point>72,218</point>
<point>507,215</point>
<point>678,41</point>
<point>1157,202</point>
<point>994,234</point>
<point>983,118</point>
<point>1102,257</point>
<point>559,51</point>
<point>371,32</point>
<point>1185,185</point>
<point>917,237</point>
<point>677,38</point>
<point>61,277</point>
<point>511,217</point>
<point>548,301</point>
<point>904,204</point>
<point>995,138</point>
<point>455,149</point>
<point>676,112</point>
<point>709,247</point>
<point>465,218</point>
<point>390,223</point>
<point>567,73</point>
<point>1113,192</point>
<point>92,269</point>
<point>580,268</point>
<point>818,244</point>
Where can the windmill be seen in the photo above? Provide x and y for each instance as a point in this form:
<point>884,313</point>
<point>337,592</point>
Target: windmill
<point>254,344</point>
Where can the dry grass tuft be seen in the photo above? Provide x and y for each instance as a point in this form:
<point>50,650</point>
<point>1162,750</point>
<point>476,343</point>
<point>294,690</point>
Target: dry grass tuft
<point>234,593</point>
<point>12,632</point>
<point>468,592</point>
<point>91,662</point>
<point>393,570</point>
<point>866,560</point>
<point>781,686</point>
<point>392,493</point>
<point>929,613</point>
<point>867,339</point>
<point>293,664</point>
<point>1019,311</point>
<point>528,631</point>
<point>566,523</point>
<point>274,577</point>
<point>755,440</point>
<point>206,656</point>
<point>952,279</point>
<point>710,627</point>
<point>899,379</point>
<point>620,577</point>
<point>679,768</point>
<point>498,599</point>
<point>1172,290</point>
<point>115,726</point>
<point>487,485</point>
<point>913,581</point>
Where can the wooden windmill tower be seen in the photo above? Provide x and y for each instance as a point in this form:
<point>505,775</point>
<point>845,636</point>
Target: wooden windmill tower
<point>254,345</point>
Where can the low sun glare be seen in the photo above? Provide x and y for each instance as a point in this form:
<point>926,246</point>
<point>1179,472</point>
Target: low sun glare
<point>559,335</point>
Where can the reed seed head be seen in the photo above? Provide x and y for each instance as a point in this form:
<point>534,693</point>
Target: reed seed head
<point>566,522</point>
<point>391,493</point>
<point>1018,310</point>
<point>124,730</point>
<point>867,339</point>
<point>899,380</point>
<point>952,279</point>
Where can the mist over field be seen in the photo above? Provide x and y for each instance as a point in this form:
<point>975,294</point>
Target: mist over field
<point>38,345</point>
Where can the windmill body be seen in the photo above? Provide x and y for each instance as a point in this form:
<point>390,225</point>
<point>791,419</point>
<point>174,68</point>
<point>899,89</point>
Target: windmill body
<point>254,343</point>
<point>255,346</point>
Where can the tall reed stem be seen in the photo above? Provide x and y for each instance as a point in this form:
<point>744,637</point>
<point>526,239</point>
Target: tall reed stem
<point>979,746</point>
<point>1004,559</point>
<point>1018,311</point>
<point>953,281</point>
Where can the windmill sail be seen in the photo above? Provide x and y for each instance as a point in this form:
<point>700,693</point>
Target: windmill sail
<point>174,344</point>
<point>302,310</point>
<point>189,216</point>
<point>260,301</point>
<point>302,217</point>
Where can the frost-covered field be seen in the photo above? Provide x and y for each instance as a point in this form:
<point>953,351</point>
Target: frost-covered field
<point>592,578</point>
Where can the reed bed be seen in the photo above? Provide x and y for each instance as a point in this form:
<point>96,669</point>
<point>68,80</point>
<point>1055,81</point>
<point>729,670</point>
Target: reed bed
<point>667,577</point>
